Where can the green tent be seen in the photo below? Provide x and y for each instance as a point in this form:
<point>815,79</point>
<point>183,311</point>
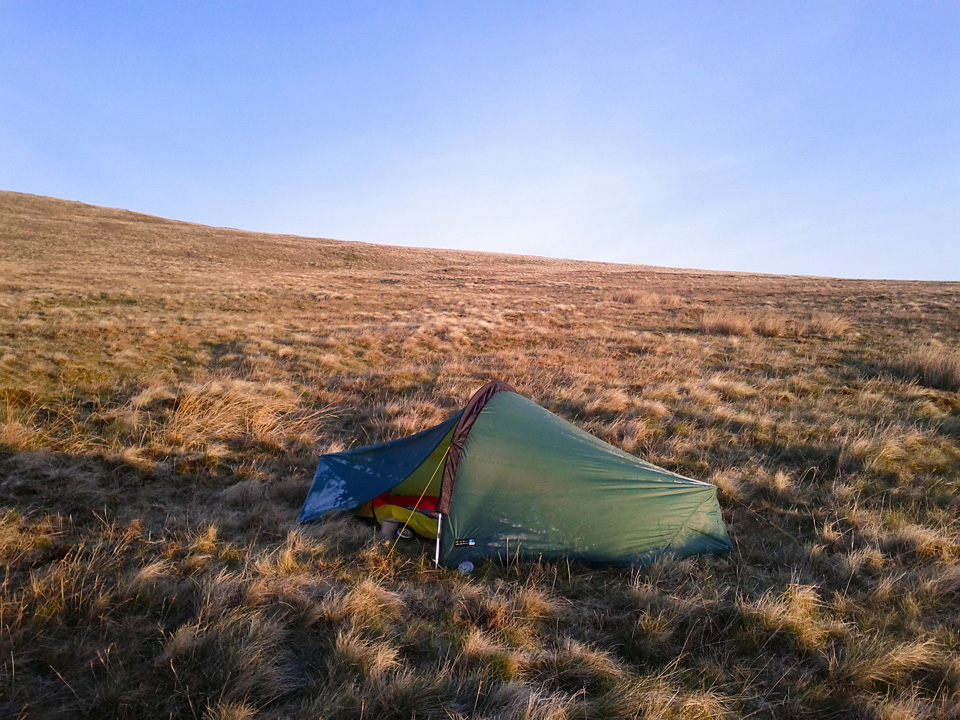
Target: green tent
<point>504,477</point>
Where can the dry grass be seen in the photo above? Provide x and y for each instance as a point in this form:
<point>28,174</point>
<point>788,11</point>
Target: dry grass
<point>641,299</point>
<point>933,366</point>
<point>724,322</point>
<point>826,325</point>
<point>770,323</point>
<point>166,388</point>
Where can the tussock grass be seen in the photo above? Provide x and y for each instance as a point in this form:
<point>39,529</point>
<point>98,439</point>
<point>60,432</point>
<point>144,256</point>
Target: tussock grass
<point>797,613</point>
<point>826,324</point>
<point>726,323</point>
<point>871,661</point>
<point>166,388</point>
<point>639,298</point>
<point>773,324</point>
<point>932,366</point>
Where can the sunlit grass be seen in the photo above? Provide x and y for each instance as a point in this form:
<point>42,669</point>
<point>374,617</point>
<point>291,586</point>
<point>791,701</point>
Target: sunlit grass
<point>165,390</point>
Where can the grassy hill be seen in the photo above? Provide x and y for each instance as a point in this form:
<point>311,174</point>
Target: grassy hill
<point>166,388</point>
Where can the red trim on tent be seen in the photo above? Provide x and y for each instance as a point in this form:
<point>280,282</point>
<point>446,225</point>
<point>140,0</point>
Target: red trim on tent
<point>470,413</point>
<point>426,502</point>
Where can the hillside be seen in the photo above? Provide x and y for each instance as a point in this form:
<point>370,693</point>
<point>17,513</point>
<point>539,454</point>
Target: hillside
<point>166,388</point>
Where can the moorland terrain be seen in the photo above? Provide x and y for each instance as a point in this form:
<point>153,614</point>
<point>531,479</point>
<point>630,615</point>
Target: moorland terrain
<point>166,388</point>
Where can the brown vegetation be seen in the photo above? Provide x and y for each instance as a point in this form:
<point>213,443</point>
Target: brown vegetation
<point>772,324</point>
<point>933,366</point>
<point>165,389</point>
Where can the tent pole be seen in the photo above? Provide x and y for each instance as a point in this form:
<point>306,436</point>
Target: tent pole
<point>436,557</point>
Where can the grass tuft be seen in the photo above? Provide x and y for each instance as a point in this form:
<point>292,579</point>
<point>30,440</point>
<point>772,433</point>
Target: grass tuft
<point>726,323</point>
<point>934,367</point>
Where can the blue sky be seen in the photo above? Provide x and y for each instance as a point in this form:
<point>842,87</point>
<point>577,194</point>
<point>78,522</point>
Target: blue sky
<point>812,138</point>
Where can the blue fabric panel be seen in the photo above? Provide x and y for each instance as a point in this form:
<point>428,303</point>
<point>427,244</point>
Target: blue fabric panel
<point>347,479</point>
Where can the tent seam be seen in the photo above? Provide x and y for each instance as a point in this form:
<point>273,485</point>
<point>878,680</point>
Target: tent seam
<point>458,442</point>
<point>686,524</point>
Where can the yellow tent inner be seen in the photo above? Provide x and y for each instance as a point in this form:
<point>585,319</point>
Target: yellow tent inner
<point>424,482</point>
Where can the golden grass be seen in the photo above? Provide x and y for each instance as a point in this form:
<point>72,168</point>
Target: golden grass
<point>770,323</point>
<point>932,366</point>
<point>165,390</point>
<point>725,322</point>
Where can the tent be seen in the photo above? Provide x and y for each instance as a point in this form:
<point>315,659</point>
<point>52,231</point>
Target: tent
<point>504,477</point>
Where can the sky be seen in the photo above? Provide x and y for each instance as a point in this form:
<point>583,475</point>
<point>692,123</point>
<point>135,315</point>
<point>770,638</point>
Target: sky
<point>817,138</point>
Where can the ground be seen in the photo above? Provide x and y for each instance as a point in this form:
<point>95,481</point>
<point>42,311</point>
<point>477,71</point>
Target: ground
<point>166,388</point>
